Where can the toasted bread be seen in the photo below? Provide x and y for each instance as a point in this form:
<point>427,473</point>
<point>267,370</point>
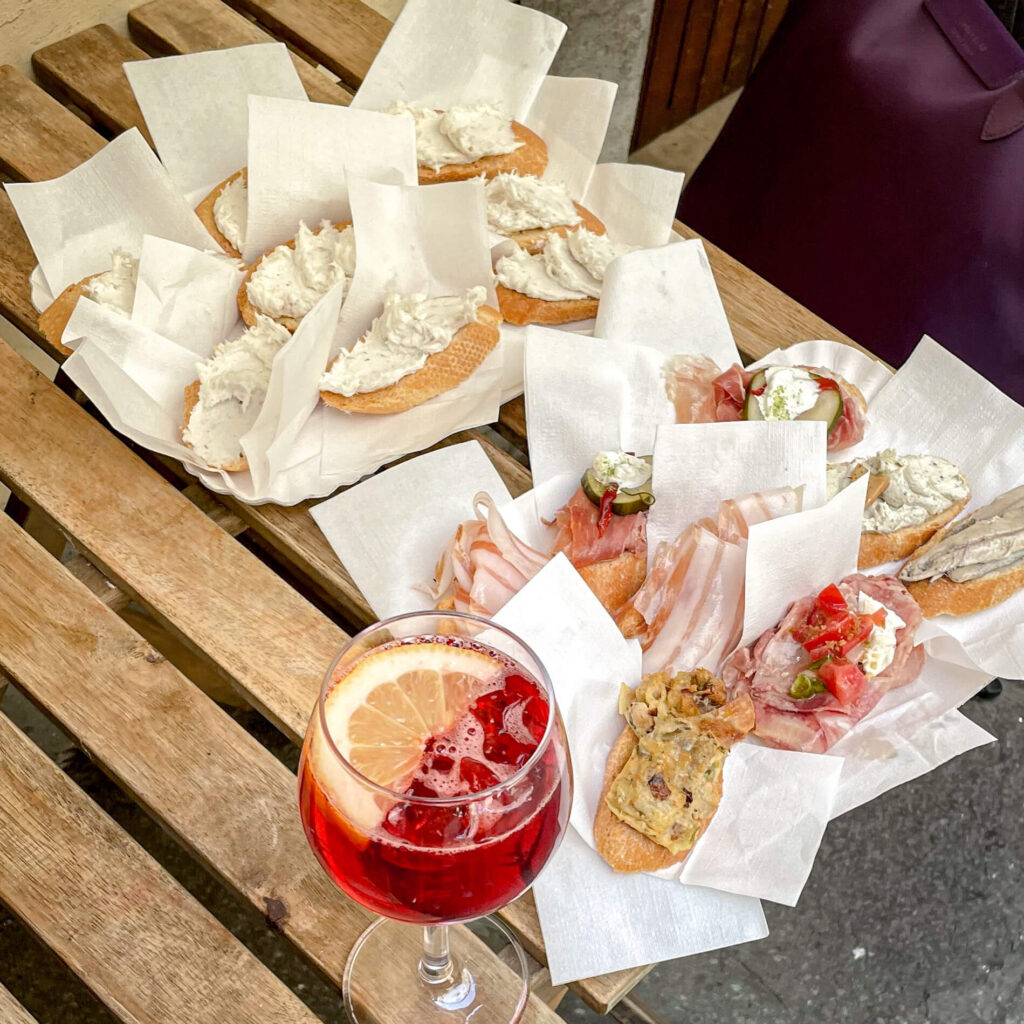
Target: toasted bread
<point>204,211</point>
<point>530,158</point>
<point>518,308</point>
<point>55,317</point>
<point>878,548</point>
<point>248,311</point>
<point>442,371</point>
<point>944,597</point>
<point>615,581</point>
<point>191,401</point>
<point>532,239</point>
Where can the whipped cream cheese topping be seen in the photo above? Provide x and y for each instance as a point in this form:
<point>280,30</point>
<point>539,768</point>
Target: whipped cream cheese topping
<point>622,469</point>
<point>788,391</point>
<point>410,328</point>
<point>458,135</point>
<point>920,486</point>
<point>570,267</point>
<point>880,646</point>
<point>232,386</point>
<point>289,282</point>
<point>115,288</point>
<point>520,202</point>
<point>231,212</point>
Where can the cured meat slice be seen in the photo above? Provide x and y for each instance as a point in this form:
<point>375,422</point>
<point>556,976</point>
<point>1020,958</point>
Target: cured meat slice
<point>584,544</point>
<point>688,381</point>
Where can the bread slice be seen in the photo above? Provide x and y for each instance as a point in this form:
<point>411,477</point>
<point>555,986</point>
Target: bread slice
<point>533,239</point>
<point>442,371</point>
<point>204,211</point>
<point>615,581</point>
<point>878,548</point>
<point>530,158</point>
<point>944,597</point>
<point>518,308</point>
<point>248,310</point>
<point>191,401</point>
<point>55,317</point>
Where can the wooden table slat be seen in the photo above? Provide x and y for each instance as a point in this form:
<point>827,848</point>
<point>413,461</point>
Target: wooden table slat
<point>11,1011</point>
<point>224,795</point>
<point>16,264</point>
<point>86,70</point>
<point>343,35</point>
<point>165,27</point>
<point>112,914</point>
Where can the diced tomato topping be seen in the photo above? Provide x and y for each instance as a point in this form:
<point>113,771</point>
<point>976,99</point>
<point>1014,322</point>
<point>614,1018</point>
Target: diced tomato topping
<point>858,634</point>
<point>843,680</point>
<point>605,513</point>
<point>831,600</point>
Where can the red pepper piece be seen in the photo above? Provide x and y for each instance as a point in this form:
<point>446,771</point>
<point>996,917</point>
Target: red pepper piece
<point>827,384</point>
<point>605,512</point>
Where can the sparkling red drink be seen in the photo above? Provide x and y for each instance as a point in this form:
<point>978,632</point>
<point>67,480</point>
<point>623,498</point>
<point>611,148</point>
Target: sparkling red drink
<point>485,800</point>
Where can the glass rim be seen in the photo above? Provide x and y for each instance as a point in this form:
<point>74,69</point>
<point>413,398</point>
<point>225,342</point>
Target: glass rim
<point>439,801</point>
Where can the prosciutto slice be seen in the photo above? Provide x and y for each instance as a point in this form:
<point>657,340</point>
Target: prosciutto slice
<point>691,604</point>
<point>702,394</point>
<point>484,563</point>
<point>766,670</point>
<point>582,542</point>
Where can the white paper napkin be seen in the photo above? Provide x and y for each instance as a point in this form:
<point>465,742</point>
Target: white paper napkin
<point>445,52</point>
<point>637,202</point>
<point>300,156</point>
<point>666,298</point>
<point>196,107</point>
<point>76,221</point>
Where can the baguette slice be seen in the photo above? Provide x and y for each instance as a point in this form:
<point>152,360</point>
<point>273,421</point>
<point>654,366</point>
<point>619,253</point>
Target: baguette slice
<point>530,158</point>
<point>518,308</point>
<point>532,239</point>
<point>616,580</point>
<point>191,401</point>
<point>444,370</point>
<point>204,211</point>
<point>55,317</point>
<point>878,548</point>
<point>248,310</point>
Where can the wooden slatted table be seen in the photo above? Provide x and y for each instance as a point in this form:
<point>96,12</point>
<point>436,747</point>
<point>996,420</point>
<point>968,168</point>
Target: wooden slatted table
<point>255,629</point>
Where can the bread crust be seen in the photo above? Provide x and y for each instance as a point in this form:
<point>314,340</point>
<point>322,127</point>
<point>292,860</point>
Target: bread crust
<point>533,239</point>
<point>878,548</point>
<point>616,580</point>
<point>530,158</point>
<point>191,401</point>
<point>55,317</point>
<point>469,347</point>
<point>204,211</point>
<point>248,311</point>
<point>518,308</point>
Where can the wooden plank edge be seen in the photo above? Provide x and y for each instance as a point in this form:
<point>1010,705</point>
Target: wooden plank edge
<point>11,1011</point>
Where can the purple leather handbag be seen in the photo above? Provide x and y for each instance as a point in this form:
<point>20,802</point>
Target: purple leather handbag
<point>874,170</point>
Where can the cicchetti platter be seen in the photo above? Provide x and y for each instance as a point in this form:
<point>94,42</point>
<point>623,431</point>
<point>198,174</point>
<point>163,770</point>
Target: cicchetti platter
<point>762,592</point>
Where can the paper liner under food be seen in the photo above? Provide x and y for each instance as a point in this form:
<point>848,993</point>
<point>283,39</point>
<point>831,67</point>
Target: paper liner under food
<point>196,107</point>
<point>75,222</point>
<point>585,395</point>
<point>937,405</point>
<point>637,202</point>
<point>440,53</point>
<point>666,298</point>
<point>300,156</point>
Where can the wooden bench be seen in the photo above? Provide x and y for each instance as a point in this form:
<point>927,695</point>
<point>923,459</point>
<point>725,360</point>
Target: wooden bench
<point>249,602</point>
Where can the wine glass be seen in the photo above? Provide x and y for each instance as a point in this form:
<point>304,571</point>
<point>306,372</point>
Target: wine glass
<point>434,785</point>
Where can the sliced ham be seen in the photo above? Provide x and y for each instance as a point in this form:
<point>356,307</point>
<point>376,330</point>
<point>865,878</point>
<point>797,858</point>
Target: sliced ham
<point>766,670</point>
<point>688,381</point>
<point>484,564</point>
<point>582,542</point>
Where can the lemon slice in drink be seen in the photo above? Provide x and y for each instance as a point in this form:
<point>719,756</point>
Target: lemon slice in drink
<point>382,712</point>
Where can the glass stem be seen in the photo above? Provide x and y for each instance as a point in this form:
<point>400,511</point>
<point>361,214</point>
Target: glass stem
<point>436,962</point>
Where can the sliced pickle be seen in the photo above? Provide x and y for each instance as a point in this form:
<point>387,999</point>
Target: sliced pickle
<point>625,502</point>
<point>592,487</point>
<point>758,381</point>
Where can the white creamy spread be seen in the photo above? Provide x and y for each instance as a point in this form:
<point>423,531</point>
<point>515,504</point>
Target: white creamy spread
<point>920,486</point>
<point>231,212</point>
<point>410,328</point>
<point>621,469</point>
<point>557,272</point>
<point>788,391</point>
<point>232,385</point>
<point>289,282</point>
<point>880,646</point>
<point>520,202</point>
<point>458,135</point>
<point>115,288</point>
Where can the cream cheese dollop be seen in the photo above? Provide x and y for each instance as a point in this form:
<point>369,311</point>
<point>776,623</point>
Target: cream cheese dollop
<point>232,386</point>
<point>410,328</point>
<point>621,469</point>
<point>521,202</point>
<point>289,282</point>
<point>561,264</point>
<point>231,211</point>
<point>788,391</point>
<point>920,486</point>
<point>880,646</point>
<point>526,273</point>
<point>115,288</point>
<point>460,134</point>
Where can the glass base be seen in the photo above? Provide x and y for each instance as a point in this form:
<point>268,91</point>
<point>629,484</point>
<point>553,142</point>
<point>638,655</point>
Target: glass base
<point>383,981</point>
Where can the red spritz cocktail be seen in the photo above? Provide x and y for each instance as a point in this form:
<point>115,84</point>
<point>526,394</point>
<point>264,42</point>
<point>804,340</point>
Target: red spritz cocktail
<point>434,782</point>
